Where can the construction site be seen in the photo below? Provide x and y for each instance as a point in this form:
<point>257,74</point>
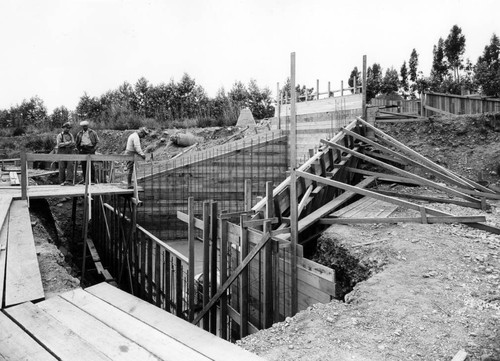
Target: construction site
<point>335,230</point>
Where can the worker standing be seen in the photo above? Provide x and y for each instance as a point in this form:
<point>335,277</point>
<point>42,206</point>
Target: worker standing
<point>65,145</point>
<point>133,148</point>
<point>86,143</point>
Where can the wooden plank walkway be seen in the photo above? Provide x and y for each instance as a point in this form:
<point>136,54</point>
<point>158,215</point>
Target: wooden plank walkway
<point>105,323</point>
<point>366,207</point>
<point>23,281</point>
<point>46,191</point>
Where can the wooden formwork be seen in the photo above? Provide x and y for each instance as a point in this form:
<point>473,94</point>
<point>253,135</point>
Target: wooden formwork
<point>215,174</point>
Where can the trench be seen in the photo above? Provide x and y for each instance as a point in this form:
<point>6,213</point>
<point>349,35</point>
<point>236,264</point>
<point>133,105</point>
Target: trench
<point>349,270</point>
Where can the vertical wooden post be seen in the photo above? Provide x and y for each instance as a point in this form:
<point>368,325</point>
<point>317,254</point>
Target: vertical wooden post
<point>364,87</point>
<point>244,278</point>
<point>354,85</point>
<point>73,219</point>
<point>223,278</point>
<point>213,265</point>
<point>278,104</point>
<point>422,105</point>
<point>293,191</point>
<point>85,227</point>
<point>143,265</point>
<point>206,261</point>
<point>167,271</point>
<point>329,91</point>
<point>24,176</point>
<point>157,275</point>
<point>178,287</point>
<point>317,89</point>
<point>191,294</point>
<point>341,88</point>
<point>268,265</point>
<point>248,194</point>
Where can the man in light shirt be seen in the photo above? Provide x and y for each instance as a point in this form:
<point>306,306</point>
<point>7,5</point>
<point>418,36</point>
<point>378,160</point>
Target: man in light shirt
<point>134,147</point>
<point>86,143</point>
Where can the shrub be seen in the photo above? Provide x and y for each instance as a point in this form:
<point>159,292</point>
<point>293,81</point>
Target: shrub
<point>18,132</point>
<point>41,143</point>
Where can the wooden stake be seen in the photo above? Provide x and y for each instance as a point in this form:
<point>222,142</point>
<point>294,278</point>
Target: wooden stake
<point>364,88</point>
<point>293,194</point>
<point>213,264</point>
<point>206,261</point>
<point>244,279</point>
<point>191,293</point>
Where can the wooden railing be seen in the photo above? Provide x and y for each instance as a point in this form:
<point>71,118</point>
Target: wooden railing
<point>108,161</point>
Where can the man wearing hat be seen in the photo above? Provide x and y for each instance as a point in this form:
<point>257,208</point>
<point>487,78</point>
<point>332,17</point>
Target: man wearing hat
<point>86,143</point>
<point>65,145</point>
<point>134,147</point>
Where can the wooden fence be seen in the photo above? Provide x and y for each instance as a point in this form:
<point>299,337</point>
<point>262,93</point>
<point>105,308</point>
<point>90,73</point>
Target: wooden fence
<point>398,106</point>
<point>438,103</point>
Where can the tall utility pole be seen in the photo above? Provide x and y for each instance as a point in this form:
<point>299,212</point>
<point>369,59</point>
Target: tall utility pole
<point>294,229</point>
<point>364,88</point>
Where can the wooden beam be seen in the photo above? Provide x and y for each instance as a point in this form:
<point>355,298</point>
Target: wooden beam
<point>78,157</point>
<point>482,226</point>
<point>396,120</point>
<point>428,198</point>
<point>405,159</point>
<point>366,192</point>
<point>397,170</point>
<point>430,219</point>
<point>387,138</point>
<point>191,256</point>
<point>436,110</point>
<point>294,234</point>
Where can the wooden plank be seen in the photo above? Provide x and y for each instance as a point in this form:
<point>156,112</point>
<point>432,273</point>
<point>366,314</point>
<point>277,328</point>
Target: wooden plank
<point>430,219</point>
<point>78,157</point>
<point>160,344</point>
<point>5,202</point>
<point>190,335</point>
<point>105,339</point>
<point>52,334</point>
<point>15,344</point>
<point>353,207</point>
<point>306,222</point>
<point>428,198</point>
<point>14,180</point>
<point>23,281</point>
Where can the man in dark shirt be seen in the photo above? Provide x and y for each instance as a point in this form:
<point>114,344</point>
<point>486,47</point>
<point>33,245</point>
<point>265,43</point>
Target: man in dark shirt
<point>65,145</point>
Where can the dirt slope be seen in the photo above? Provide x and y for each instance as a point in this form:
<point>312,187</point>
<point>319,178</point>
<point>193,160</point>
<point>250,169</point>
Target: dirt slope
<point>431,290</point>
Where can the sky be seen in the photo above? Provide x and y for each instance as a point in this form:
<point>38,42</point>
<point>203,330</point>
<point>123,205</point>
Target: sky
<point>59,50</point>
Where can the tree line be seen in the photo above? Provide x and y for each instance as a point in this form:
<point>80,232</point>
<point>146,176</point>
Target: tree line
<point>130,106</point>
<point>174,103</point>
<point>450,72</point>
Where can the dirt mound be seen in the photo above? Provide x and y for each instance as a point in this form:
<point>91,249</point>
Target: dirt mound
<point>467,145</point>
